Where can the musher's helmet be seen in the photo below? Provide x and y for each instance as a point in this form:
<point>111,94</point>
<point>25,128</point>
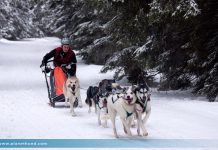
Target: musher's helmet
<point>65,41</point>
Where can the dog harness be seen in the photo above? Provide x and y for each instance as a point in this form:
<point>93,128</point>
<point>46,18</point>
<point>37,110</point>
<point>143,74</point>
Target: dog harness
<point>115,99</point>
<point>102,106</point>
<point>128,114</point>
<point>142,105</point>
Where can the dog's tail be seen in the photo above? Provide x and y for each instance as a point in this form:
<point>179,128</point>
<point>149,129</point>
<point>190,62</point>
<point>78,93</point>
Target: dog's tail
<point>88,102</point>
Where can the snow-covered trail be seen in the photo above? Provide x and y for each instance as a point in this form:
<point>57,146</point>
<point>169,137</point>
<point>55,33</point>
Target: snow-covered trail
<point>24,112</point>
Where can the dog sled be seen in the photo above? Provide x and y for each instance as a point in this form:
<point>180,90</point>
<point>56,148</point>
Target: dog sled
<point>54,83</point>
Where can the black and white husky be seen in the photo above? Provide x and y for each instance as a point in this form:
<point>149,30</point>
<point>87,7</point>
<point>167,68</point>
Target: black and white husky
<point>101,105</point>
<point>124,106</point>
<point>92,92</point>
<point>143,107</point>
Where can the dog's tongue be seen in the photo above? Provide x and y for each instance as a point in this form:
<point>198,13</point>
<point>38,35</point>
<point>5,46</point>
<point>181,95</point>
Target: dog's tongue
<point>105,103</point>
<point>129,101</point>
<point>143,99</point>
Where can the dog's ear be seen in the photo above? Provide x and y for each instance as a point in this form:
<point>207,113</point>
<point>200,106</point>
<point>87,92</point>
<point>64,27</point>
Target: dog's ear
<point>109,88</point>
<point>100,84</point>
<point>135,89</point>
<point>124,89</point>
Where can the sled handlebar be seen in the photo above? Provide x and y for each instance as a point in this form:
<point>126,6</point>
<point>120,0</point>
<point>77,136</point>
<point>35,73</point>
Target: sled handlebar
<point>63,65</point>
<point>45,68</point>
<point>50,60</point>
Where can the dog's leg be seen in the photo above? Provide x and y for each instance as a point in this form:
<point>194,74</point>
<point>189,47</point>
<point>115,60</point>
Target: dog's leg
<point>72,108</point>
<point>148,112</point>
<point>105,123</point>
<point>139,122</point>
<point>145,133</point>
<point>95,107</point>
<point>89,102</point>
<point>72,112</point>
<point>89,111</point>
<point>99,115</point>
<point>66,101</point>
<point>113,117</point>
<point>65,95</point>
<point>132,123</point>
<point>90,105</point>
<point>124,129</point>
<point>131,120</point>
<point>105,117</point>
<point>141,125</point>
<point>112,114</point>
<point>126,126</point>
<point>79,99</point>
<point>143,122</point>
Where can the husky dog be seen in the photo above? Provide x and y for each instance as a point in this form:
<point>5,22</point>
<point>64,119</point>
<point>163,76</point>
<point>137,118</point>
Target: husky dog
<point>105,85</point>
<point>143,107</point>
<point>91,97</point>
<point>72,92</point>
<point>101,105</point>
<point>124,106</point>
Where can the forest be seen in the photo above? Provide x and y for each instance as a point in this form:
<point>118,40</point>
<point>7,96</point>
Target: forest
<point>176,39</point>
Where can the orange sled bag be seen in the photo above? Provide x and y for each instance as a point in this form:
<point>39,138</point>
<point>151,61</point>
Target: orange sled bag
<point>59,79</point>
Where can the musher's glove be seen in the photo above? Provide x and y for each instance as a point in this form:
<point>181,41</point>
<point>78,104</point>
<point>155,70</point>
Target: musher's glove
<point>47,70</point>
<point>68,66</point>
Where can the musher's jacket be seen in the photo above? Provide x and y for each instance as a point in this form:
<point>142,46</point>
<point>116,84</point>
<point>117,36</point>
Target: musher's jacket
<point>60,57</point>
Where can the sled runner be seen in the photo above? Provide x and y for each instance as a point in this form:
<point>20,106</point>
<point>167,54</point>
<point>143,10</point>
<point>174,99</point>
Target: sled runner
<point>55,78</point>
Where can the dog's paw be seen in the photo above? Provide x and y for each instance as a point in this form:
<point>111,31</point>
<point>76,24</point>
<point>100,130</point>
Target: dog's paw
<point>130,135</point>
<point>105,117</point>
<point>145,134</point>
<point>99,123</point>
<point>133,125</point>
<point>138,131</point>
<point>74,115</point>
<point>124,129</point>
<point>66,104</point>
<point>104,125</point>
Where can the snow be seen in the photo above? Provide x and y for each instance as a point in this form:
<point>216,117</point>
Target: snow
<point>145,47</point>
<point>193,9</point>
<point>25,114</point>
<point>119,1</point>
<point>190,8</point>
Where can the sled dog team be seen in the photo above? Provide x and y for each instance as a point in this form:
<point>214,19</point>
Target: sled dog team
<point>110,100</point>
